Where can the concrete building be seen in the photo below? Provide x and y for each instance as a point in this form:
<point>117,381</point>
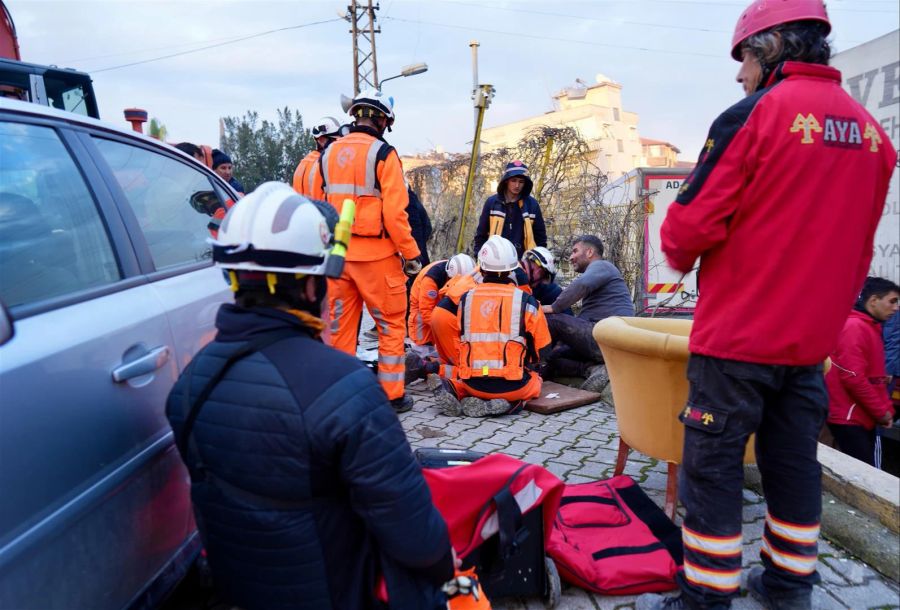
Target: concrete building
<point>596,111</point>
<point>658,153</point>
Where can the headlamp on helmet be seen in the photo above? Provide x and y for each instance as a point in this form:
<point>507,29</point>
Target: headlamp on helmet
<point>326,126</point>
<point>372,104</point>
<point>543,258</point>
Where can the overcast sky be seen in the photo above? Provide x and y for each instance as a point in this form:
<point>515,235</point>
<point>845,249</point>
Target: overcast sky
<point>671,57</point>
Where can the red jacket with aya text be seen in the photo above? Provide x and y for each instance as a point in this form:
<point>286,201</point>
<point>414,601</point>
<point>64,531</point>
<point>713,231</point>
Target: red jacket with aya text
<point>781,210</point>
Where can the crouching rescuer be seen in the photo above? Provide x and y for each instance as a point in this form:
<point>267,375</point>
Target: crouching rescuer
<point>502,332</point>
<point>304,487</point>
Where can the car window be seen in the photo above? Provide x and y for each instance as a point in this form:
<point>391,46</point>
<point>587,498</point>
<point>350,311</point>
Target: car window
<point>173,202</point>
<point>52,238</point>
<point>66,95</point>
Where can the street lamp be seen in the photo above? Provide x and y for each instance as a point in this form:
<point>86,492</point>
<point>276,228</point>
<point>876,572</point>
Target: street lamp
<point>407,71</point>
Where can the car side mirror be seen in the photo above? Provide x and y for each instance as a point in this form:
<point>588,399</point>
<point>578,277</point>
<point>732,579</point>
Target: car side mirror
<point>205,202</point>
<point>7,330</point>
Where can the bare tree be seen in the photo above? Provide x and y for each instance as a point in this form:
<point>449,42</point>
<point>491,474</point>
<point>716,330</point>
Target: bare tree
<point>569,188</point>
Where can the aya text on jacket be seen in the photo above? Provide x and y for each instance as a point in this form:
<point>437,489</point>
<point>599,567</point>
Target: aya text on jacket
<point>781,210</point>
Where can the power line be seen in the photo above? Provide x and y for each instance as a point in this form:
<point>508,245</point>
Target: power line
<point>146,50</point>
<point>581,17</point>
<point>213,46</point>
<point>553,39</point>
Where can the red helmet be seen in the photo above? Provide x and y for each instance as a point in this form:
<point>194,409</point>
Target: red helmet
<point>765,14</point>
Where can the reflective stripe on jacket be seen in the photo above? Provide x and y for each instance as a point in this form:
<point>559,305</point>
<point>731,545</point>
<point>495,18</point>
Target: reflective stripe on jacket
<point>362,167</point>
<point>499,327</point>
<point>521,222</point>
<point>423,297</point>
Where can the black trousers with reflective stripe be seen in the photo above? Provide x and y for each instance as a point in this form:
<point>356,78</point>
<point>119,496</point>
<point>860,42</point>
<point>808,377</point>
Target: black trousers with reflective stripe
<point>786,407</point>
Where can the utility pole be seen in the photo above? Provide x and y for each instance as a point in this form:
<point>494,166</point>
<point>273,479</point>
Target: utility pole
<point>474,46</point>
<point>483,96</point>
<point>361,16</point>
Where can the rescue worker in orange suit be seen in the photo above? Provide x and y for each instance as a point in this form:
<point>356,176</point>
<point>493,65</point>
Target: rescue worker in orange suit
<point>502,331</point>
<point>444,325</point>
<point>325,131</point>
<point>423,297</point>
<point>363,167</point>
<point>792,180</point>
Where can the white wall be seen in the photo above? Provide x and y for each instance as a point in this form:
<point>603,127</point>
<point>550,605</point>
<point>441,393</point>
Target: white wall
<point>871,74</point>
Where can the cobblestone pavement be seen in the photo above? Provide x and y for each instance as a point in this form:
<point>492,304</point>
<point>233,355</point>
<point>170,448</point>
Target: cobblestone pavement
<point>580,445</point>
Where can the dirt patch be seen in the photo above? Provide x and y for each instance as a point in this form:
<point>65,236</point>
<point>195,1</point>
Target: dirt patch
<point>427,432</point>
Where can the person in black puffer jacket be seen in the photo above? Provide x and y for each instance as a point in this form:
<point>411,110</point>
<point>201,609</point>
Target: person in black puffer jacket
<point>304,486</point>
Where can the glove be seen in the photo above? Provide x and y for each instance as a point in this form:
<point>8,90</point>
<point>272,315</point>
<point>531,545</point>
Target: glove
<point>412,266</point>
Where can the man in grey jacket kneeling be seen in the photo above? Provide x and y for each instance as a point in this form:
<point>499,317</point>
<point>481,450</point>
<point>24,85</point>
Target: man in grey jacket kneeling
<point>602,293</point>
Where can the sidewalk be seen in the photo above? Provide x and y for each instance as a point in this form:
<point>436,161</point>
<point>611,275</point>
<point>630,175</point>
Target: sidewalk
<point>580,445</point>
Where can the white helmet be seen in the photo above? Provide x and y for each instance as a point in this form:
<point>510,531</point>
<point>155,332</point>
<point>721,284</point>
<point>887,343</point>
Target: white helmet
<point>275,230</point>
<point>460,264</point>
<point>498,254</point>
<point>542,257</point>
<point>326,126</point>
<point>373,100</point>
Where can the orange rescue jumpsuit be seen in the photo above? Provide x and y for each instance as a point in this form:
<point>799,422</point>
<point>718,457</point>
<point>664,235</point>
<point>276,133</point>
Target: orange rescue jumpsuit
<point>423,297</point>
<point>444,325</point>
<point>501,328</point>
<point>363,167</point>
<point>303,175</point>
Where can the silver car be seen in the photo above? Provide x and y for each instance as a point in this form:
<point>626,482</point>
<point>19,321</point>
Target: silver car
<point>109,290</point>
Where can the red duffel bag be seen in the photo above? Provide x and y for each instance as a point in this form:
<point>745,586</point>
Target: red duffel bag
<point>465,496</point>
<point>609,537</point>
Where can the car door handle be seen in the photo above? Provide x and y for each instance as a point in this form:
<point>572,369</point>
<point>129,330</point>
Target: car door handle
<point>143,365</point>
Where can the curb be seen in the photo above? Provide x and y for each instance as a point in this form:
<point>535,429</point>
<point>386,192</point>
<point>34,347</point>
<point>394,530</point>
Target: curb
<point>853,517</point>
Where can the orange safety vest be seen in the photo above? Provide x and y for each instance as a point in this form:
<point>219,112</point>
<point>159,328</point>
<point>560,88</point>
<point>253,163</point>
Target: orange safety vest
<point>348,169</point>
<point>492,332</point>
<point>365,168</point>
<point>304,174</point>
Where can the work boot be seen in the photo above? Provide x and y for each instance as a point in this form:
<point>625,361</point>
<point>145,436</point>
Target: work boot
<point>445,399</point>
<point>434,383</point>
<point>415,368</point>
<point>477,407</point>
<point>448,403</point>
<point>402,404</point>
<point>597,379</point>
<point>795,601</point>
